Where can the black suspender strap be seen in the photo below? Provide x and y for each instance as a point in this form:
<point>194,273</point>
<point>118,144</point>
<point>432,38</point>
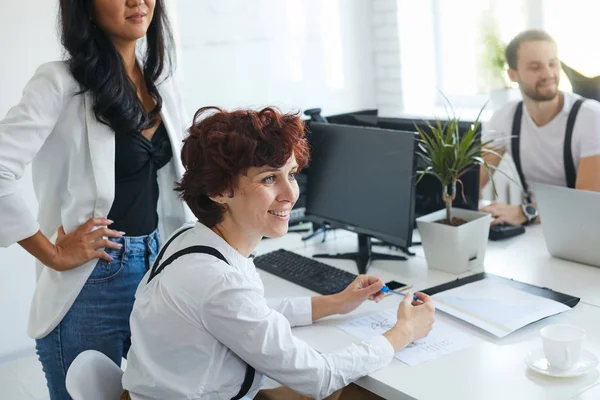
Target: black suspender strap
<point>162,253</point>
<point>188,250</point>
<point>516,150</point>
<point>247,384</point>
<point>570,171</point>
<point>157,268</point>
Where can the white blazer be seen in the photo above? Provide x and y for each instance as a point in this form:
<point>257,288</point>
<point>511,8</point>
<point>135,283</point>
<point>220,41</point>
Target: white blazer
<point>73,166</point>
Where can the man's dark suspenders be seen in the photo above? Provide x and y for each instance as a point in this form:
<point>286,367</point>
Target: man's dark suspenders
<point>157,268</point>
<point>570,172</point>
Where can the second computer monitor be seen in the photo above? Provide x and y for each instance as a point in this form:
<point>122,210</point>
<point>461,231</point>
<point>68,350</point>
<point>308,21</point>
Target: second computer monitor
<point>363,180</point>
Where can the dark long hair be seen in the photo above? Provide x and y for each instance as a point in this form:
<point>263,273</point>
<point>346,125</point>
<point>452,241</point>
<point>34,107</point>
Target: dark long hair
<point>98,67</point>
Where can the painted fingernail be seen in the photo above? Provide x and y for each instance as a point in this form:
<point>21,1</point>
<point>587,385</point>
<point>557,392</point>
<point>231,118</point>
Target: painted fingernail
<point>119,245</point>
<point>110,221</point>
<point>121,233</point>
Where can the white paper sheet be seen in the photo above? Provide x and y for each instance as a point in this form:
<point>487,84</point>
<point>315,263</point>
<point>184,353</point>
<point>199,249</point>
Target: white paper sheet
<point>443,338</point>
<point>495,307</point>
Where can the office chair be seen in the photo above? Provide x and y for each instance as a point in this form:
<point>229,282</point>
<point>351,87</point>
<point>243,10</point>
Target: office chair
<point>94,376</point>
<point>315,115</point>
<point>582,85</point>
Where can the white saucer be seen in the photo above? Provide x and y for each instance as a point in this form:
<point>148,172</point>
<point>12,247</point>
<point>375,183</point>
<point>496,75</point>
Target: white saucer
<point>538,363</point>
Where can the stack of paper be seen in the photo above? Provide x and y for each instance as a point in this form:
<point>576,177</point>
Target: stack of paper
<point>496,307</point>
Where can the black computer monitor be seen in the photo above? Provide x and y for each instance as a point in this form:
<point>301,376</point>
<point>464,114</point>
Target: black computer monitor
<point>429,189</point>
<point>357,118</point>
<point>363,180</point>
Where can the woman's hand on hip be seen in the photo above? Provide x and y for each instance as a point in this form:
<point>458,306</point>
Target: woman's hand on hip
<point>84,244</point>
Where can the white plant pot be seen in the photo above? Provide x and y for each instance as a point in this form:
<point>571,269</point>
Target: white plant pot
<point>454,249</point>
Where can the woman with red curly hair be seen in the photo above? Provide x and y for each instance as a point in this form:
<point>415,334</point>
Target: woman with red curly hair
<point>201,326</point>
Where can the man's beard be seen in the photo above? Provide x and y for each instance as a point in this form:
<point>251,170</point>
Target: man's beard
<point>535,95</point>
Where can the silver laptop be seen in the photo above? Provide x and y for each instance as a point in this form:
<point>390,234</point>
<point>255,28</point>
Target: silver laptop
<point>571,222</point>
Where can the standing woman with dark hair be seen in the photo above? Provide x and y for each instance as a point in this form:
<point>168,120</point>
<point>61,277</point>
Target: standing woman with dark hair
<point>102,132</point>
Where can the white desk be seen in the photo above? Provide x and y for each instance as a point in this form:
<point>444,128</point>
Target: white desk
<point>494,369</point>
<point>525,258</point>
<point>591,394</point>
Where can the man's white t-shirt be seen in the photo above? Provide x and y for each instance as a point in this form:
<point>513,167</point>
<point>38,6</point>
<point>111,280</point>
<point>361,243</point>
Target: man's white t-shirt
<point>542,146</point>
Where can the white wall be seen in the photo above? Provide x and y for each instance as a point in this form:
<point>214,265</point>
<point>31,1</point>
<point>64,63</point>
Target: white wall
<point>295,54</point>
<point>386,25</point>
<point>27,39</point>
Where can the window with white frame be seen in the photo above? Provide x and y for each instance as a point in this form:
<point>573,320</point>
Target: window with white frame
<point>574,26</point>
<point>447,46</point>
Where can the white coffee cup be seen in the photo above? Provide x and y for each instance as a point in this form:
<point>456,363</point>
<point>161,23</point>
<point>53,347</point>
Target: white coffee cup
<point>562,345</point>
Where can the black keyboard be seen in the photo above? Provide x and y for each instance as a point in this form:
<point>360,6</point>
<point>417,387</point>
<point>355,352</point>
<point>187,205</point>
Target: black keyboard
<point>304,271</point>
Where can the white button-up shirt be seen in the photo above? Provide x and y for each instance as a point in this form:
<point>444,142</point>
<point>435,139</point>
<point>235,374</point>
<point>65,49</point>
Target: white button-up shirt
<point>197,323</point>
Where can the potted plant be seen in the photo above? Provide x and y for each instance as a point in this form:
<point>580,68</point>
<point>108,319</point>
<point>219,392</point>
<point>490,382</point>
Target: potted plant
<point>494,79</point>
<point>453,239</point>
<point>493,59</point>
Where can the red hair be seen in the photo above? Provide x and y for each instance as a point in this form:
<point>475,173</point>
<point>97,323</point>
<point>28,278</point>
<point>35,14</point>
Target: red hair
<point>221,147</point>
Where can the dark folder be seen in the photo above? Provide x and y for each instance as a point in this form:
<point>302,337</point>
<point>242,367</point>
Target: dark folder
<point>565,299</point>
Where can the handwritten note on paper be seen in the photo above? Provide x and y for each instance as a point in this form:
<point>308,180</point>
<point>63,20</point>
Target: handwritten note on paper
<point>443,338</point>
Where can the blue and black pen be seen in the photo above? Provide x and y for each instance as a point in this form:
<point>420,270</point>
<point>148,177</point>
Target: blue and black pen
<point>386,289</point>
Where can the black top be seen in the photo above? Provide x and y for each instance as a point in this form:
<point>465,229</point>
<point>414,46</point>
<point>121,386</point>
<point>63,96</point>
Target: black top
<point>137,161</point>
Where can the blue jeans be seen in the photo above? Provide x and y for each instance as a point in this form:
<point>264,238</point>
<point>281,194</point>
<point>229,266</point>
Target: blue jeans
<point>99,318</point>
